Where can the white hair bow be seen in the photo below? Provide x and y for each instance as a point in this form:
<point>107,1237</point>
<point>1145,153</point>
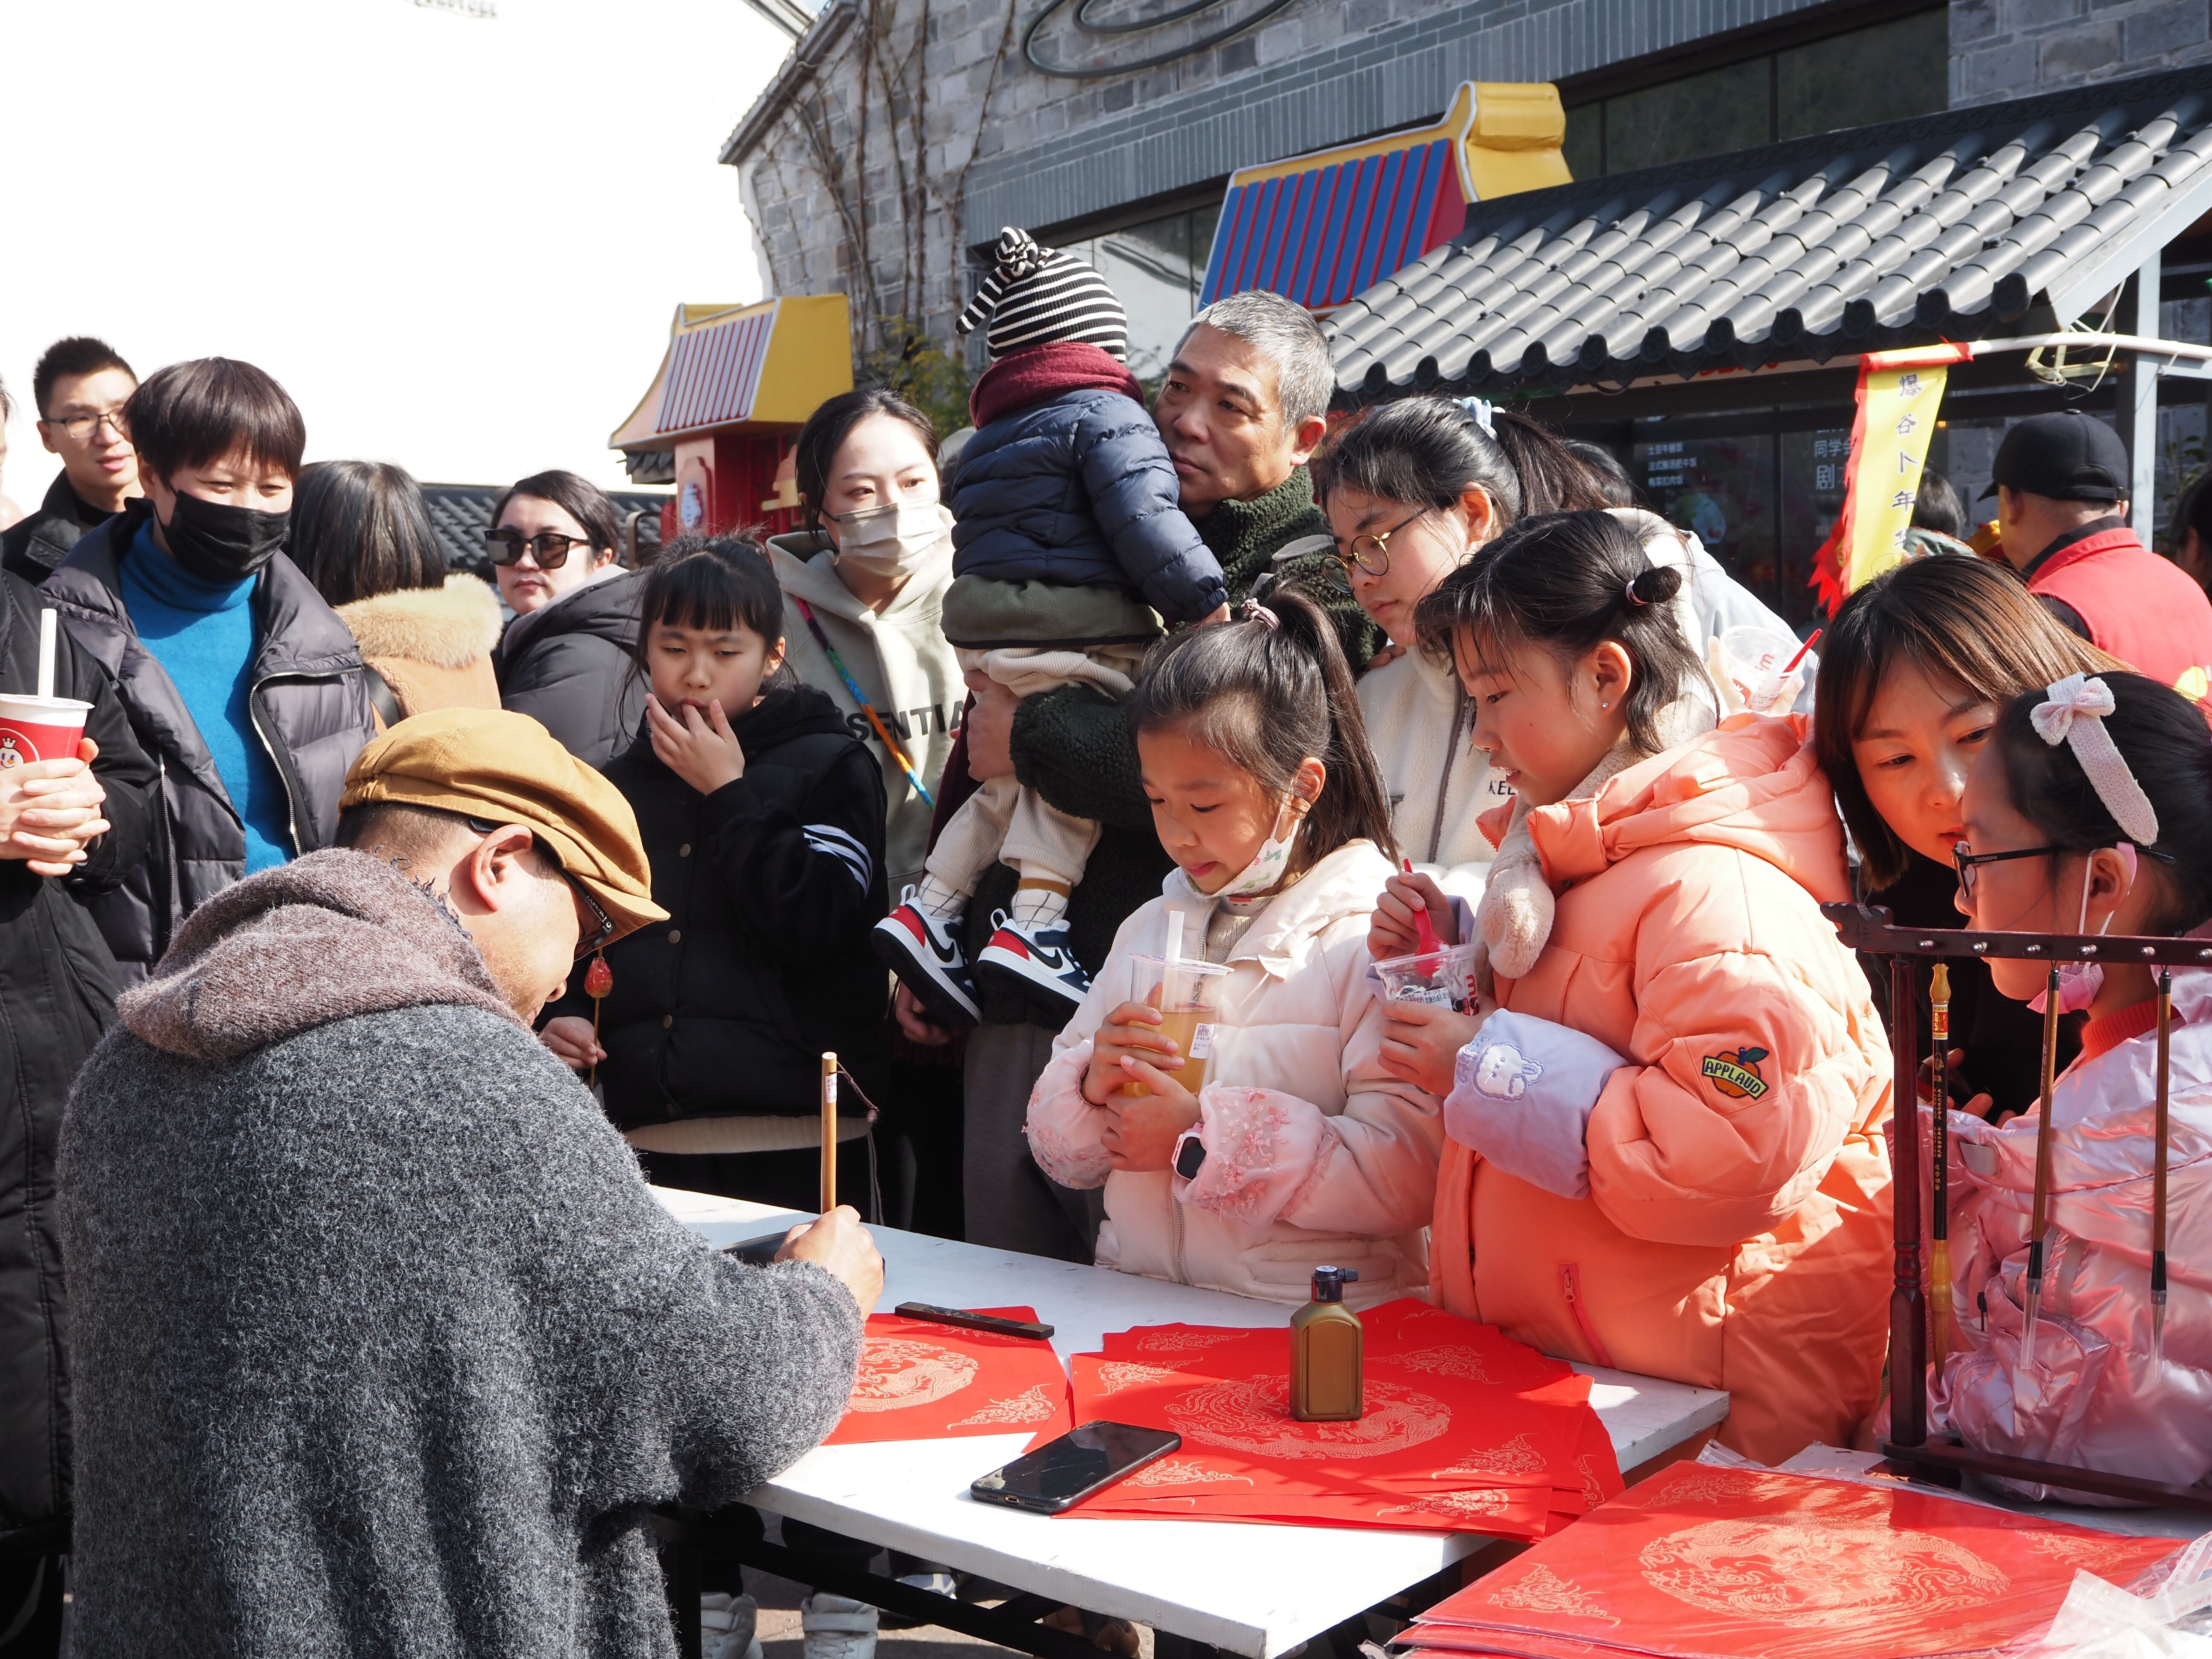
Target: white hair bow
<point>1479,410</point>
<point>2073,713</point>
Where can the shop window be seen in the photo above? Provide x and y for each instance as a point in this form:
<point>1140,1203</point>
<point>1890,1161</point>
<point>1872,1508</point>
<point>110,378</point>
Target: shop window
<point>1883,72</point>
<point>1888,73</point>
<point>1762,503</point>
<point>1723,109</point>
<point>1156,268</point>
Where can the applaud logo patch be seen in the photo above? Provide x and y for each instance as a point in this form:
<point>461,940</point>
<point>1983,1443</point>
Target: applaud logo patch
<point>1735,1073</point>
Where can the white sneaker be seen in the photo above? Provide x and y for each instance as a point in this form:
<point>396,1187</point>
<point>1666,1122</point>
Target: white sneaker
<point>836,1628</point>
<point>726,1627</point>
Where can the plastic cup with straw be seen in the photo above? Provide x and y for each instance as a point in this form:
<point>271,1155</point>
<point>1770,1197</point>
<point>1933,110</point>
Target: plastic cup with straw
<point>1188,997</point>
<point>38,726</point>
<point>2041,1216</point>
<point>1939,1024</point>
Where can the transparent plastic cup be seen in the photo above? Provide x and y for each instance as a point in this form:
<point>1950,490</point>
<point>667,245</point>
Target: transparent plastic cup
<point>1187,994</point>
<point>1443,978</point>
<point>39,728</point>
<point>1754,660</point>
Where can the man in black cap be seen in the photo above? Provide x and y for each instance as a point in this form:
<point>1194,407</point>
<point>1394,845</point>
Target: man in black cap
<point>2061,483</point>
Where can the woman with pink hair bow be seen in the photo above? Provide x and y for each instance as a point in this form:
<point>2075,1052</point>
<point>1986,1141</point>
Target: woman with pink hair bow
<point>2090,812</point>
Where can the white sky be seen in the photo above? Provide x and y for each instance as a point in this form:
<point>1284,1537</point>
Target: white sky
<point>457,241</point>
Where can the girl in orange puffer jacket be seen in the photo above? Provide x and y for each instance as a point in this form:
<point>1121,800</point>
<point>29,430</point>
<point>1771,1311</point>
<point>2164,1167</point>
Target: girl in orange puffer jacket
<point>1666,1147</point>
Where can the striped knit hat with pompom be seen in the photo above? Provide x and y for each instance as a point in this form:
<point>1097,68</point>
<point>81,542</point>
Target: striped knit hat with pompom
<point>1036,295</point>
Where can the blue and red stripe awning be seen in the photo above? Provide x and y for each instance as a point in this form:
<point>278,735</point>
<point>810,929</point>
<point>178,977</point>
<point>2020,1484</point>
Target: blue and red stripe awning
<point>1323,232</point>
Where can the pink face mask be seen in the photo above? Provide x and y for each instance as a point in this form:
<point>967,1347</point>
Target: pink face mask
<point>2080,981</point>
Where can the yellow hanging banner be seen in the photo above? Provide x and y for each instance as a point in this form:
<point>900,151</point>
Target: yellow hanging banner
<point>1899,395</point>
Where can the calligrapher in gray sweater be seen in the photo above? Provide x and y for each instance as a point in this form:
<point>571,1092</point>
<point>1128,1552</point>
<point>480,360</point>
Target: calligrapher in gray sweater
<point>382,1346</point>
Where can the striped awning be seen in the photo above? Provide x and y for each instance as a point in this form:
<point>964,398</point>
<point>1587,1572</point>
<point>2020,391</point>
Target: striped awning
<point>714,373</point>
<point>764,366</point>
<point>1321,235</point>
<point>1320,228</point>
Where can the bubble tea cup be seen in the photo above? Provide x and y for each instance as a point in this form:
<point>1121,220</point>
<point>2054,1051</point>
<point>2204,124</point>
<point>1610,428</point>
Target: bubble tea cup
<point>1187,994</point>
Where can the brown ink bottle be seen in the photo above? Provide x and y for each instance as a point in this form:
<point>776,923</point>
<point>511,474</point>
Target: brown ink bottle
<point>1325,1344</point>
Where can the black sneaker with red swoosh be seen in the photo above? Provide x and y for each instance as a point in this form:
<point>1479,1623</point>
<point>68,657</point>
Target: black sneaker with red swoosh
<point>922,951</point>
<point>1037,963</point>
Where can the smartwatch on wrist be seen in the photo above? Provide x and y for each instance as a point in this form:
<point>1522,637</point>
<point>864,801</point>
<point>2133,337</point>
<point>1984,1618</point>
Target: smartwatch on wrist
<point>1189,1155</point>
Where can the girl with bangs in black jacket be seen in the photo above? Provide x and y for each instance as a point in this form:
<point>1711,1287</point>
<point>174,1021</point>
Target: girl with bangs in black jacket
<point>764,821</point>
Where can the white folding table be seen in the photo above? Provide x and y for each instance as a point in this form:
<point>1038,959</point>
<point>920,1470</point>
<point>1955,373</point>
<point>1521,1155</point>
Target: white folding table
<point>1250,1590</point>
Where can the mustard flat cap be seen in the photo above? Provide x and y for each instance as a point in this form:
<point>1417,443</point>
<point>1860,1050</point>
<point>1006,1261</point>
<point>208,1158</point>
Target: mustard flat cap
<point>491,763</point>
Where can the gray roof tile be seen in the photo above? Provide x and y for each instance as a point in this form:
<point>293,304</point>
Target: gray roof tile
<point>1949,225</point>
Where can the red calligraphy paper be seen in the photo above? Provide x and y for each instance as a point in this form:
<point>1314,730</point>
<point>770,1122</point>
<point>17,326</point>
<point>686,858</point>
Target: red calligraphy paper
<point>1465,1430</point>
<point>922,1381</point>
<point>1701,1562</point>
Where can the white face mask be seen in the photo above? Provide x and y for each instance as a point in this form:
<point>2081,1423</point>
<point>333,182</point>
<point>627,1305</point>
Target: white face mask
<point>1269,863</point>
<point>892,541</point>
<point>2080,981</point>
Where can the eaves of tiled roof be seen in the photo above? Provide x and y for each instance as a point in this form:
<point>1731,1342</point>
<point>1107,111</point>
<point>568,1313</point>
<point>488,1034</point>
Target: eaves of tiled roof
<point>1950,226</point>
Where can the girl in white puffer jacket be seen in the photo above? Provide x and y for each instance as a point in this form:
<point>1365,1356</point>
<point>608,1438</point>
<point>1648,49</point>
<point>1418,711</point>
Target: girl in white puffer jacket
<point>1299,1151</point>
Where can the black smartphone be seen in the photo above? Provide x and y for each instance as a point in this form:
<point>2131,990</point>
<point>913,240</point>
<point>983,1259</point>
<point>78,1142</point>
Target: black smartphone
<point>974,1322</point>
<point>759,1251</point>
<point>1062,1474</point>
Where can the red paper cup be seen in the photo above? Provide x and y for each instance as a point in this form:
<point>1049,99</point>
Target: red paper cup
<point>39,728</point>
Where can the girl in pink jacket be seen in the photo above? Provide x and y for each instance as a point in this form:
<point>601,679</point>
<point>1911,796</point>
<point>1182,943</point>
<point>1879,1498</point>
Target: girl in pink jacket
<point>1300,1149</point>
<point>1665,1151</point>
<point>2090,810</point>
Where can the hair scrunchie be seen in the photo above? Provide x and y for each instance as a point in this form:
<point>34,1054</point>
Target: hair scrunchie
<point>2072,712</point>
<point>1479,410</point>
<point>1255,611</point>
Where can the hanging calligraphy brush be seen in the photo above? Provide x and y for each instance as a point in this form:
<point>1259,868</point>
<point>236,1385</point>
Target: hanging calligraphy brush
<point>599,980</point>
<point>2157,1173</point>
<point>2042,1171</point>
<point>1938,1003</point>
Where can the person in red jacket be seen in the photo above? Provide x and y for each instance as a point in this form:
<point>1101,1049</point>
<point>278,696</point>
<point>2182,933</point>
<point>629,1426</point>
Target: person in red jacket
<point>2061,483</point>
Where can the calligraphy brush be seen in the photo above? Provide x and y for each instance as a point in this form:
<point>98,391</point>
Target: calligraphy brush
<point>2158,1172</point>
<point>1939,1023</point>
<point>2042,1171</point>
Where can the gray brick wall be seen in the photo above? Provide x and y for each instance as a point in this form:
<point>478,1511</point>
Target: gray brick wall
<point>2011,48</point>
<point>1321,72</point>
<point>1049,150</point>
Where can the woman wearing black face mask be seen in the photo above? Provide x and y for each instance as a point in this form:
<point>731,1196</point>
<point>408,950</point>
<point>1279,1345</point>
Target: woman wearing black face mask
<point>238,677</point>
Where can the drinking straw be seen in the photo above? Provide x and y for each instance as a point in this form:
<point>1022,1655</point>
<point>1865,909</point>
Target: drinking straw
<point>2042,1171</point>
<point>46,621</point>
<point>829,1131</point>
<point>1939,999</point>
<point>2157,1173</point>
<point>1424,933</point>
<point>1174,937</point>
<point>1811,639</point>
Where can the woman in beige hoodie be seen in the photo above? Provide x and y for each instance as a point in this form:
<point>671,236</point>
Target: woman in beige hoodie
<point>361,533</point>
<point>863,593</point>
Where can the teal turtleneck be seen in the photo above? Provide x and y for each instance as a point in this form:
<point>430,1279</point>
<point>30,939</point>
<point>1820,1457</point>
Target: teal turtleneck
<point>202,633</point>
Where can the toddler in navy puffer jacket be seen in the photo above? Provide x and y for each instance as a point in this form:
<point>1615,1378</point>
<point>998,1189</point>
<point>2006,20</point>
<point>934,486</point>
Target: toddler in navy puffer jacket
<point>1069,536</point>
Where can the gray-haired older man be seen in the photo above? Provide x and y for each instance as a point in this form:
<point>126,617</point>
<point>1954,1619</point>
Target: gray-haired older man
<point>1243,405</point>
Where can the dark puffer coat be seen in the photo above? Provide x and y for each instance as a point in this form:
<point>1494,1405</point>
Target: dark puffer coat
<point>569,667</point>
<point>311,713</point>
<point>771,884</point>
<point>58,989</point>
<point>1077,491</point>
<point>31,548</point>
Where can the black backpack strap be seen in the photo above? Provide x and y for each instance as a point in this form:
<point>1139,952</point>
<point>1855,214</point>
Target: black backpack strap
<point>380,698</point>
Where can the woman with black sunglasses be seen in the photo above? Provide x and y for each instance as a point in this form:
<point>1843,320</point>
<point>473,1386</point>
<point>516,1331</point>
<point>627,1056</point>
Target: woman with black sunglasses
<point>566,658</point>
